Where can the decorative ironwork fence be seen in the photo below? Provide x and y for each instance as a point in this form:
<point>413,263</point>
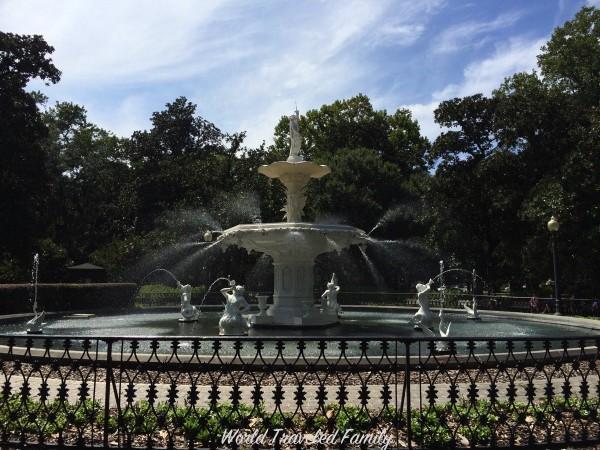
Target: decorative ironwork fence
<point>317,392</point>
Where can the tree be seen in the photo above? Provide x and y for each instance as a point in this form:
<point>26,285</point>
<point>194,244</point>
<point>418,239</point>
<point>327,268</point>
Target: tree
<point>23,177</point>
<point>181,162</point>
<point>88,168</point>
<point>512,160</point>
<point>353,123</point>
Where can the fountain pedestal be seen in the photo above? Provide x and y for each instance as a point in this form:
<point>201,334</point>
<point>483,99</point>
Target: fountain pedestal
<point>293,299</point>
<point>293,247</point>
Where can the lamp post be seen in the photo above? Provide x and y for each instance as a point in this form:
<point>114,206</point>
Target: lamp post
<point>553,227</point>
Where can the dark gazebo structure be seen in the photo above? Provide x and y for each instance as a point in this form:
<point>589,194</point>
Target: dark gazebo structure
<point>86,273</point>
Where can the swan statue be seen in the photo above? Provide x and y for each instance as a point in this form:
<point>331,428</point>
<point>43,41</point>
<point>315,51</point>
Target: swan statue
<point>34,326</point>
<point>440,346</point>
<point>472,312</point>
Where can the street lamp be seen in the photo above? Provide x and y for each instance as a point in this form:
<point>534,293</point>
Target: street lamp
<point>553,227</point>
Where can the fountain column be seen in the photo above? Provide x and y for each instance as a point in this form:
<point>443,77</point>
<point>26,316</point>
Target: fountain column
<point>293,289</point>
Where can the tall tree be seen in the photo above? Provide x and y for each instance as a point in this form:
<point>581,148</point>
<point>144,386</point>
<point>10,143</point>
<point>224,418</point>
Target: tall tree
<point>88,167</point>
<point>526,153</point>
<point>23,177</point>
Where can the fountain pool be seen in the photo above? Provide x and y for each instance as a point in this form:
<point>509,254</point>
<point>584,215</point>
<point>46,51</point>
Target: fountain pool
<point>357,324</point>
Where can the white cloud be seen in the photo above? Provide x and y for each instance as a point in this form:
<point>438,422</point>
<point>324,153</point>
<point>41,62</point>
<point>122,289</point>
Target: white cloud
<point>245,63</point>
<point>124,41</point>
<point>593,3</point>
<point>467,34</point>
<point>325,62</point>
<point>483,76</point>
<point>398,34</point>
<point>423,113</point>
<point>129,115</point>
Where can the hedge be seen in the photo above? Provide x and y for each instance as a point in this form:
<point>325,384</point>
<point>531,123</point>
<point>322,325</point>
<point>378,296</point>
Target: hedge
<point>15,298</point>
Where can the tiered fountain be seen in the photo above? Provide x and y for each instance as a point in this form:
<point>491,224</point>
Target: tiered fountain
<point>294,244</point>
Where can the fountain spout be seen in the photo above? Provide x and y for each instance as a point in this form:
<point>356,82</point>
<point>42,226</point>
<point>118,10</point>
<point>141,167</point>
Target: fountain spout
<point>440,346</point>
<point>472,312</point>
<point>35,325</point>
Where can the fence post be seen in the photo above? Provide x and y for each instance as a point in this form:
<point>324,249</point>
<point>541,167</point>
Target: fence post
<point>407,384</point>
<point>109,344</point>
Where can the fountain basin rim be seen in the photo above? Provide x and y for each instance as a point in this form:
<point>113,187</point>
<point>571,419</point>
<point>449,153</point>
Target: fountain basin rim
<point>294,226</point>
<point>278,169</point>
<point>574,321</point>
<point>163,355</point>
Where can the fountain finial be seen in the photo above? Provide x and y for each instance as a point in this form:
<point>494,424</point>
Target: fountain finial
<point>295,138</point>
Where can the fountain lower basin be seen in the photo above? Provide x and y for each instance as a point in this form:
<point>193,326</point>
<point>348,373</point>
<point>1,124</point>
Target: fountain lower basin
<point>357,324</point>
<point>293,247</point>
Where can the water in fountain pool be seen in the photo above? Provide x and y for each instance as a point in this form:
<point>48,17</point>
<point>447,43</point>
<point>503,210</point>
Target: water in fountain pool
<point>353,324</point>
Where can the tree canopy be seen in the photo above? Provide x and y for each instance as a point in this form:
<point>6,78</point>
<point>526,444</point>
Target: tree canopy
<point>479,196</point>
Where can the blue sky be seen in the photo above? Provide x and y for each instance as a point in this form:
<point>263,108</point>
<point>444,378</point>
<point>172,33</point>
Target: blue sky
<point>246,63</point>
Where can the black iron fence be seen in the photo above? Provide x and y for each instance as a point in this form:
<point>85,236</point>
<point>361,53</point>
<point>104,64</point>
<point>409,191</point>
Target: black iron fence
<point>317,392</point>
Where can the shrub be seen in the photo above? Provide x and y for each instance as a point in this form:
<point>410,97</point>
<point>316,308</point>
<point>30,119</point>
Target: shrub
<point>15,298</point>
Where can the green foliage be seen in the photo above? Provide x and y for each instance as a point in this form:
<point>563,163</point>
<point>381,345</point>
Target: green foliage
<point>480,423</point>
<point>430,428</point>
<point>350,417</point>
<point>504,165</point>
<point>23,176</point>
<point>512,160</point>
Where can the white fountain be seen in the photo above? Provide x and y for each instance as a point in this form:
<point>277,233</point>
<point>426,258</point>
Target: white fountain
<point>294,244</point>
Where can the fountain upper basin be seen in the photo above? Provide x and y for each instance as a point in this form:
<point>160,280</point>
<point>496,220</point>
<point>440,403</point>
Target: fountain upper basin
<point>298,239</point>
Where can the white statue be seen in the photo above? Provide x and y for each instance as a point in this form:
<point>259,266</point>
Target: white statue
<point>189,312</point>
<point>35,324</point>
<point>472,313</point>
<point>423,317</point>
<point>232,321</point>
<point>440,346</point>
<point>329,297</point>
<point>295,138</point>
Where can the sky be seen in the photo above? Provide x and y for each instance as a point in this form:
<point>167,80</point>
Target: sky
<point>247,63</point>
